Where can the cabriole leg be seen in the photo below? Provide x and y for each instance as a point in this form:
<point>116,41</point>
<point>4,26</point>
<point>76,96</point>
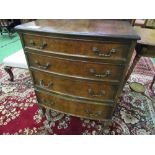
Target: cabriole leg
<point>9,71</point>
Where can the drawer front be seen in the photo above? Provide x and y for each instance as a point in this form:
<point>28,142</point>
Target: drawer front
<point>97,91</point>
<point>106,50</point>
<point>76,68</point>
<point>74,107</point>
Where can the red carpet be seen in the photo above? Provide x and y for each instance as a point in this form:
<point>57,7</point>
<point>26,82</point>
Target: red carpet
<point>19,113</point>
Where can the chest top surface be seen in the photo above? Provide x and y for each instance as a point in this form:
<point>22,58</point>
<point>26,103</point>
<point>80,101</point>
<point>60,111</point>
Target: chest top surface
<point>82,27</point>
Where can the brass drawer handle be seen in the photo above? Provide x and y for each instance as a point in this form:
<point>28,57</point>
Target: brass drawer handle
<point>32,43</point>
<point>102,75</point>
<point>99,53</point>
<point>41,83</point>
<point>93,114</point>
<point>42,46</point>
<point>47,102</point>
<point>42,66</point>
<point>92,93</point>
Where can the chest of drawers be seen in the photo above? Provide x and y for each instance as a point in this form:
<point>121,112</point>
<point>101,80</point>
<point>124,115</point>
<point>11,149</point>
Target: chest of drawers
<point>78,66</point>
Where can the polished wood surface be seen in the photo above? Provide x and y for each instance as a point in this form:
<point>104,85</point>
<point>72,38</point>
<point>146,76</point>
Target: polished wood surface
<point>104,49</point>
<point>78,65</point>
<point>86,27</point>
<point>75,107</point>
<point>97,91</point>
<point>70,67</point>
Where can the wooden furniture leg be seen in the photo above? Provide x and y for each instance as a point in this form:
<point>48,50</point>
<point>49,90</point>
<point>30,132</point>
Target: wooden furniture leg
<point>9,71</point>
<point>135,61</point>
<point>151,86</point>
<point>43,110</point>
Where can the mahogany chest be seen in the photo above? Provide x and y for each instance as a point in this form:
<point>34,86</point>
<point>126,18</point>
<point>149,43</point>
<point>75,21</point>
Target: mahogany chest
<point>78,67</point>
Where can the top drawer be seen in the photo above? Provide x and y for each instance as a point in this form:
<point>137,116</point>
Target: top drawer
<point>84,48</point>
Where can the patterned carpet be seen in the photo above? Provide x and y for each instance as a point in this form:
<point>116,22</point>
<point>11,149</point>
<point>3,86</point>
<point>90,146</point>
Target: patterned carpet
<point>19,113</point>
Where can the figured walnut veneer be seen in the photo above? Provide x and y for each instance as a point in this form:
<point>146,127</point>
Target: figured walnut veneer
<point>78,66</point>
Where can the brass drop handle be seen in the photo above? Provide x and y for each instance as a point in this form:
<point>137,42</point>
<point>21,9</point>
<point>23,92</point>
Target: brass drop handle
<point>42,46</point>
<point>101,54</point>
<point>41,83</point>
<point>47,102</point>
<point>92,93</point>
<point>93,114</point>
<point>102,75</point>
<point>32,43</point>
<point>46,66</point>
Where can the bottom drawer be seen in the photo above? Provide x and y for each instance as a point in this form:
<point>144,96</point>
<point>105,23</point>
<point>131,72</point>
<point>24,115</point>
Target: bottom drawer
<point>74,107</point>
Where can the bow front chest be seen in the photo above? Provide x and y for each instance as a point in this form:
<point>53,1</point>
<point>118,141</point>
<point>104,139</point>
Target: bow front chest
<point>78,67</point>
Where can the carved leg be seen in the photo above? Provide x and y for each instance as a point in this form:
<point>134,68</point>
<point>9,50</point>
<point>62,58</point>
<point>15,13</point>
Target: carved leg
<point>135,61</point>
<point>46,112</point>
<point>43,110</point>
<point>151,87</point>
<point>48,115</point>
<point>9,71</point>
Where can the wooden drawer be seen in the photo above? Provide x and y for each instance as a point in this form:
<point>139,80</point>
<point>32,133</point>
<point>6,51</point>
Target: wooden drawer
<point>97,91</point>
<point>97,49</point>
<point>74,107</point>
<point>97,71</point>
